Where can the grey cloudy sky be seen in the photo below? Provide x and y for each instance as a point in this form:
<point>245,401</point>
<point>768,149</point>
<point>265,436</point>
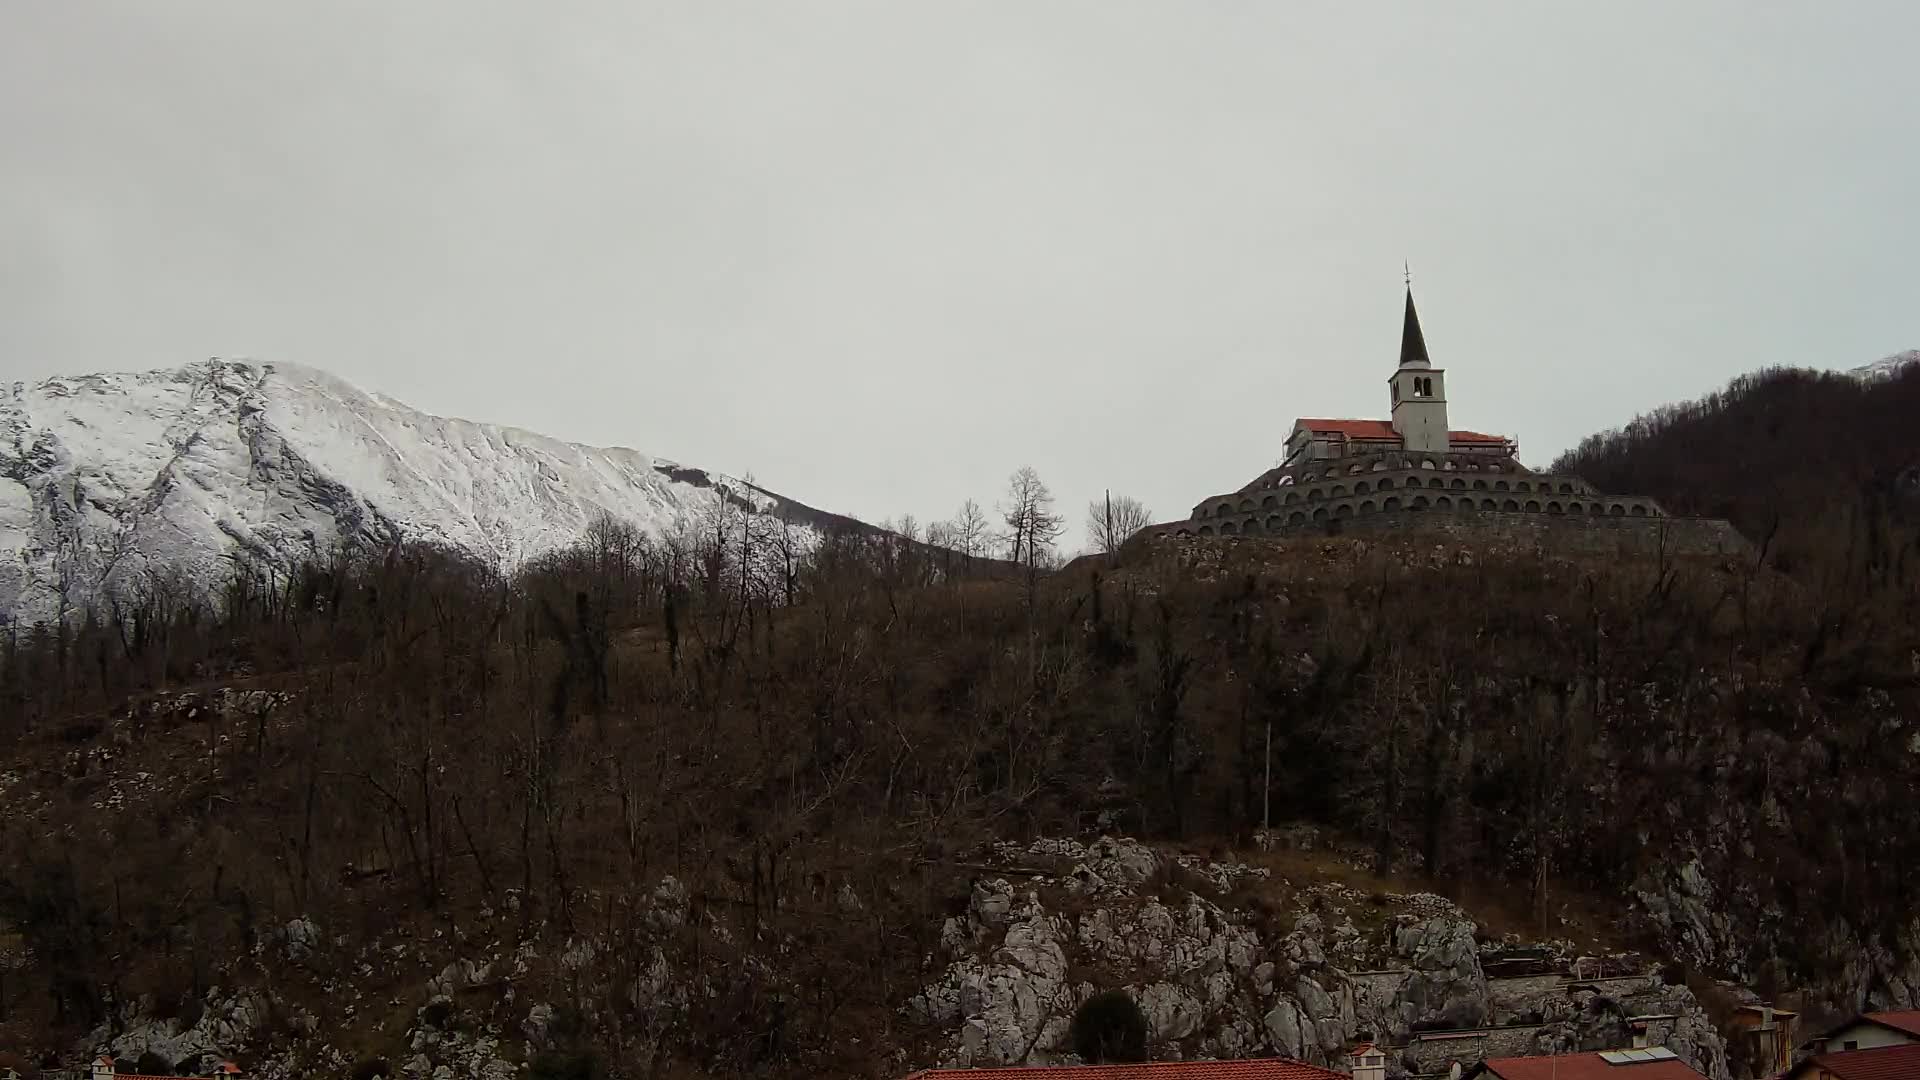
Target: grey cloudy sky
<point>880,254</point>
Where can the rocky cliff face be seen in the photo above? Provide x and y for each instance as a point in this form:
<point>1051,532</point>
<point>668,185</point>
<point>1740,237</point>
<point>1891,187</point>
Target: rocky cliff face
<point>1217,969</point>
<point>1218,981</point>
<point>1732,927</point>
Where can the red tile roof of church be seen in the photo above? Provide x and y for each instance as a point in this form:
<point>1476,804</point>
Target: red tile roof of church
<point>1353,429</point>
<point>1258,1069</point>
<point>1383,429</point>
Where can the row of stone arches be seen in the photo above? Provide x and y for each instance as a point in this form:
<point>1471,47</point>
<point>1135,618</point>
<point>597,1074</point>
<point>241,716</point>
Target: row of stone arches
<point>1284,498</point>
<point>1280,522</point>
<point>1429,464</point>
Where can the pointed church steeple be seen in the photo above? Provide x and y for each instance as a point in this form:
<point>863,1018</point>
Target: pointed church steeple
<point>1419,391</point>
<point>1413,344</point>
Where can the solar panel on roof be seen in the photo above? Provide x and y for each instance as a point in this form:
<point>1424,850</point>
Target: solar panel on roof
<point>1637,1057</point>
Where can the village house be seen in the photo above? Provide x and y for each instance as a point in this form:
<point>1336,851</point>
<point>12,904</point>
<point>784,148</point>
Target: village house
<point>104,1069</point>
<point>1760,1037</point>
<point>1899,1062</point>
<point>1872,1030</point>
<point>1650,1063</point>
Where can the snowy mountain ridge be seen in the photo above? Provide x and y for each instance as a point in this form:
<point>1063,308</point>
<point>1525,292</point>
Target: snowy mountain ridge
<point>1887,367</point>
<point>109,480</point>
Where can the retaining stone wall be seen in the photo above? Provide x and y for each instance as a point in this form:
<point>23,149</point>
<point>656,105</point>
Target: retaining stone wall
<point>1582,535</point>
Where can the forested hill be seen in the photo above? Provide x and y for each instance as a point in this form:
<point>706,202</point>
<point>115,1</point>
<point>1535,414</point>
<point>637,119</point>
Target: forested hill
<point>646,808</point>
<point>1803,456</point>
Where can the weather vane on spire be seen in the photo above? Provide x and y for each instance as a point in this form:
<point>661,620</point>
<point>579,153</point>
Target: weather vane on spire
<point>1408,267</point>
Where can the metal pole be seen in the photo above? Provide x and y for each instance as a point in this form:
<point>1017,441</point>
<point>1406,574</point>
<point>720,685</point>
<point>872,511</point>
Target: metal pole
<point>1266,790</point>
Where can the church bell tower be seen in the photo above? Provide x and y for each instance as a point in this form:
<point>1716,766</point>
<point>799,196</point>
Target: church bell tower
<point>1419,391</point>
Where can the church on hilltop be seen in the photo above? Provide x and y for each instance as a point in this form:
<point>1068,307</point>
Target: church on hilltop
<point>1339,474</point>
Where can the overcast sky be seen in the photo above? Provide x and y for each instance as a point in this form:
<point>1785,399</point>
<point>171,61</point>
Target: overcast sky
<point>880,254</point>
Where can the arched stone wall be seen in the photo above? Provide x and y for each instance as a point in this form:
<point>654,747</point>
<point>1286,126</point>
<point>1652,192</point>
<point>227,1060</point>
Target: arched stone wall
<point>1315,490</point>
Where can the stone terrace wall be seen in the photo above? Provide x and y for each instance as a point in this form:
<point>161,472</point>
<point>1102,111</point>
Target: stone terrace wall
<point>1579,535</point>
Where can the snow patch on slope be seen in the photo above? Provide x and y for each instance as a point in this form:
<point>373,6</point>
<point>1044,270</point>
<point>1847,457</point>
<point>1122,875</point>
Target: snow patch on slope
<point>110,481</point>
<point>1887,368</point>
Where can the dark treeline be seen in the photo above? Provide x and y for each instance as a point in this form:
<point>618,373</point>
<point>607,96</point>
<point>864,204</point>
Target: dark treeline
<point>1799,461</point>
<point>779,724</point>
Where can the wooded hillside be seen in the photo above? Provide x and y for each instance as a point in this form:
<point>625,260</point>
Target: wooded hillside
<point>1798,460</point>
<point>397,741</point>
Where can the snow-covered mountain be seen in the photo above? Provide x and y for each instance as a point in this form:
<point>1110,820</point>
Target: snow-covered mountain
<point>107,480</point>
<point>1888,367</point>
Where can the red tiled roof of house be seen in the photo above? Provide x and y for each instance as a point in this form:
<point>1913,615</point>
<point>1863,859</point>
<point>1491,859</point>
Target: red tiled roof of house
<point>1880,1063</point>
<point>1588,1066</point>
<point>1907,1020</point>
<point>1257,1069</point>
<point>227,1068</point>
<point>1383,429</point>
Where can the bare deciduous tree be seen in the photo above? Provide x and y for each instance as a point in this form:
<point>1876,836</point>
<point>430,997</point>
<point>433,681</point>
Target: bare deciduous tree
<point>1112,521</point>
<point>969,531</point>
<point>1032,526</point>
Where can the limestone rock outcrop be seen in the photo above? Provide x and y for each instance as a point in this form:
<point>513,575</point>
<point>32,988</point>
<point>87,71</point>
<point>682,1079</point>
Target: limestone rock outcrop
<point>1215,982</point>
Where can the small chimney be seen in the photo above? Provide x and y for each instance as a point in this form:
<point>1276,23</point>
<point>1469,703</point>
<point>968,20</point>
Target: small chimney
<point>103,1068</point>
<point>1369,1062</point>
